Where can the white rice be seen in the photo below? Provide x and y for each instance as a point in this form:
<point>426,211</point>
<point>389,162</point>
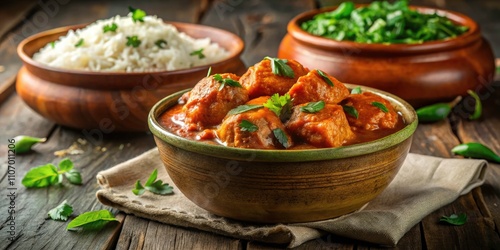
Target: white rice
<point>108,51</point>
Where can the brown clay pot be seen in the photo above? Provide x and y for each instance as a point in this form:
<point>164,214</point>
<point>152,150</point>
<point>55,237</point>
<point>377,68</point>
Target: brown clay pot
<point>419,73</point>
<point>282,186</point>
<point>111,101</point>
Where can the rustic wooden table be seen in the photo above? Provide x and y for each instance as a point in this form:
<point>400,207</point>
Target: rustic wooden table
<point>261,24</point>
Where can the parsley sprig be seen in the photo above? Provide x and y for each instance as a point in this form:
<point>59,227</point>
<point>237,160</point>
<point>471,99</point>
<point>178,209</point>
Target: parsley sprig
<point>137,14</point>
<point>153,185</point>
<point>226,81</point>
<point>280,67</point>
<point>61,212</point>
<point>49,174</point>
<point>281,105</point>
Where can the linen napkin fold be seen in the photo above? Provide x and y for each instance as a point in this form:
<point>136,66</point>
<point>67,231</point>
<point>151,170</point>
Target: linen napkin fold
<point>422,185</point>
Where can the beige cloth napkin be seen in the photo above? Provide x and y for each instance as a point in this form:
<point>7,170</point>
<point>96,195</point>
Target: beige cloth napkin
<point>422,185</point>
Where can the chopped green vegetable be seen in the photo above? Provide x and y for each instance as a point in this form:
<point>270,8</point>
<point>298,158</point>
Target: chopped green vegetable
<point>198,53</point>
<point>137,14</point>
<point>381,106</point>
<point>161,43</point>
<point>109,27</point>
<point>153,185</point>
<point>226,81</point>
<point>280,67</point>
<point>325,77</point>
<point>133,41</point>
<point>454,219</point>
<point>209,72</point>
<point>476,150</point>
<point>280,105</point>
<point>281,137</point>
<point>356,90</point>
<point>248,126</point>
<point>478,107</point>
<point>243,108</point>
<point>382,22</point>
<point>79,43</point>
<point>53,44</point>
<point>48,174</point>
<point>23,143</point>
<point>350,110</point>
<point>61,212</point>
<point>93,220</point>
<point>313,107</point>
<point>435,112</point>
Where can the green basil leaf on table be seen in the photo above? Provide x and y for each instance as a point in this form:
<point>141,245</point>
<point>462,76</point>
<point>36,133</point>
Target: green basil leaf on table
<point>454,219</point>
<point>41,176</point>
<point>93,220</point>
<point>61,212</point>
<point>153,185</point>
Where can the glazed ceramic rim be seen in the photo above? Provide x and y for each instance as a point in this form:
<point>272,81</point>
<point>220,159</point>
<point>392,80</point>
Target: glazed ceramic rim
<point>28,60</point>
<point>295,155</point>
<point>471,35</point>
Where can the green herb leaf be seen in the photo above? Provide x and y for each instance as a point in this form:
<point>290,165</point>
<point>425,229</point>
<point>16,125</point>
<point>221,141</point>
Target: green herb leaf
<point>226,81</point>
<point>161,43</point>
<point>61,212</point>
<point>478,107</point>
<point>280,105</point>
<point>152,178</point>
<point>454,219</point>
<point>133,41</point>
<point>137,14</point>
<point>158,187</point>
<point>476,150</point>
<point>209,72</point>
<point>280,67</point>
<point>281,137</point>
<point>23,143</point>
<point>243,108</point>
<point>65,165</point>
<point>198,53</point>
<point>313,107</point>
<point>350,110</point>
<point>356,90</point>
<point>325,77</point>
<point>139,189</point>
<point>53,44</point>
<point>79,43</point>
<point>74,177</point>
<point>41,176</point>
<point>93,220</point>
<point>381,106</point>
<point>109,27</point>
<point>248,126</point>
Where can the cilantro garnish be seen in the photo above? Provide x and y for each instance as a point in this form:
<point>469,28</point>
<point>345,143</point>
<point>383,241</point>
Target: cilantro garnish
<point>280,105</point>
<point>248,126</point>
<point>281,137</point>
<point>381,106</point>
<point>198,53</point>
<point>356,90</point>
<point>49,174</point>
<point>109,27</point>
<point>226,81</point>
<point>350,110</point>
<point>161,43</point>
<point>79,43</point>
<point>325,77</point>
<point>133,41</point>
<point>137,14</point>
<point>243,108</point>
<point>53,44</point>
<point>313,107</point>
<point>153,185</point>
<point>280,67</point>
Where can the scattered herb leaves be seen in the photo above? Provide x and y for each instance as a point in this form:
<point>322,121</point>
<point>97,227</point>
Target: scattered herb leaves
<point>243,108</point>
<point>325,77</point>
<point>454,219</point>
<point>137,14</point>
<point>280,67</point>
<point>281,137</point>
<point>226,81</point>
<point>93,220</point>
<point>381,106</point>
<point>313,107</point>
<point>49,174</point>
<point>350,110</point>
<point>109,27</point>
<point>79,43</point>
<point>153,185</point>
<point>133,41</point>
<point>248,126</point>
<point>61,212</point>
<point>53,44</point>
<point>161,43</point>
<point>280,105</point>
<point>356,90</point>
<point>198,53</point>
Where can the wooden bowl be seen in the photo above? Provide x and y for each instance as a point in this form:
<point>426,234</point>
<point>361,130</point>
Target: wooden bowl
<point>110,101</point>
<point>419,73</point>
<point>282,186</point>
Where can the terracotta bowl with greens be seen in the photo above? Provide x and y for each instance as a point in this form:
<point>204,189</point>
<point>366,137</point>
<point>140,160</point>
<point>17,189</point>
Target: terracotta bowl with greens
<point>282,186</point>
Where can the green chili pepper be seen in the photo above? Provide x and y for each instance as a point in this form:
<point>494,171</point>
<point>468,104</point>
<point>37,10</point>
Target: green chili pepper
<point>23,143</point>
<point>436,112</point>
<point>478,109</point>
<point>476,150</point>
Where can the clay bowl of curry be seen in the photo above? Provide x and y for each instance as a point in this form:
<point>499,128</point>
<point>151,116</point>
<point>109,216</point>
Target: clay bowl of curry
<point>315,149</point>
<point>421,73</point>
<point>111,101</point>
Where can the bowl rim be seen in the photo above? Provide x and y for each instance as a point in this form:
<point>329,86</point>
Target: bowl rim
<point>294,30</point>
<point>28,60</point>
<point>294,155</point>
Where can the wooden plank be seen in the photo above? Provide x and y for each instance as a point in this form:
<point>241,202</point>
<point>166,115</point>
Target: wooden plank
<point>12,13</point>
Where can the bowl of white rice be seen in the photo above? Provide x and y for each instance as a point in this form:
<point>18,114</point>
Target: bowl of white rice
<point>108,74</point>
